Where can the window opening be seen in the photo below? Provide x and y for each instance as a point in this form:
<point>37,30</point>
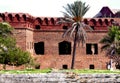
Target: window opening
<point>91,49</point>
<point>65,67</point>
<point>10,17</point>
<point>91,66</point>
<point>65,27</point>
<point>88,49</point>
<point>37,26</point>
<point>106,22</point>
<point>95,48</point>
<point>100,22</point>
<point>18,17</point>
<point>64,48</point>
<point>92,27</point>
<point>39,48</point>
<point>24,17</point>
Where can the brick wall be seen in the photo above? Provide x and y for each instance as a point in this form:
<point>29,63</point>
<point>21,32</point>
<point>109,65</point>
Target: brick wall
<point>52,59</point>
<point>50,33</point>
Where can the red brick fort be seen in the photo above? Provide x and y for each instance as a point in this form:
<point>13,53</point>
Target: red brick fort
<point>42,37</point>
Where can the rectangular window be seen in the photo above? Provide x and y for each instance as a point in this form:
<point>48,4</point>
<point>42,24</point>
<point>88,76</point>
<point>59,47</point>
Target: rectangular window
<point>91,48</point>
<point>64,48</point>
<point>39,48</point>
<point>95,48</point>
<point>88,49</point>
<point>65,66</point>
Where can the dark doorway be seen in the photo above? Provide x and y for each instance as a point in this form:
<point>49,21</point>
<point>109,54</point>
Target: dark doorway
<point>65,67</point>
<point>91,66</point>
<point>39,48</point>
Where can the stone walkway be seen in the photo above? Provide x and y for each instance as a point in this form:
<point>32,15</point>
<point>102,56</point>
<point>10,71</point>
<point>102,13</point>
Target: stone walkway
<point>59,78</point>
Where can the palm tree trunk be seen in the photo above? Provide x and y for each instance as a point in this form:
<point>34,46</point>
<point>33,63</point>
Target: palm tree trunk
<point>74,49</point>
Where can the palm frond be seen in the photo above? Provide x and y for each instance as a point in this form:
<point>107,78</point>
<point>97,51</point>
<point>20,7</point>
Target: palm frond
<point>74,25</point>
<point>106,39</point>
<point>66,33</point>
<point>76,10</point>
<point>105,47</point>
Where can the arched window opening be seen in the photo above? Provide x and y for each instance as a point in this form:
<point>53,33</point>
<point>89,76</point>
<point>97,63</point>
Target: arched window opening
<point>10,17</point>
<point>58,19</point>
<point>46,21</point>
<point>91,66</point>
<point>39,48</point>
<point>100,22</point>
<point>24,17</point>
<point>85,21</point>
<point>39,20</point>
<point>111,21</point>
<point>93,21</point>
<point>18,17</point>
<point>64,48</point>
<point>0,15</point>
<point>106,22</point>
<point>3,16</point>
<point>37,26</point>
<point>65,66</point>
<point>65,27</point>
<point>52,21</point>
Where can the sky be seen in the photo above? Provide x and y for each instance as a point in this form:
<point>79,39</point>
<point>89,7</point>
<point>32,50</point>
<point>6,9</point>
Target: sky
<point>52,8</point>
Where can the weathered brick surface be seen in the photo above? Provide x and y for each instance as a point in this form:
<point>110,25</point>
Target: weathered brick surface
<point>51,58</point>
<point>50,33</point>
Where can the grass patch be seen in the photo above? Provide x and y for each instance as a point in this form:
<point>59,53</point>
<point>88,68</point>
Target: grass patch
<point>90,71</point>
<point>25,71</point>
<point>83,71</point>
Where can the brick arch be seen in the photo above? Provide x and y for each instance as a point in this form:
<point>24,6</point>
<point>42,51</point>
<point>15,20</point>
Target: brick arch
<point>10,17</point>
<point>46,21</point>
<point>52,21</point>
<point>24,17</point>
<point>100,22</point>
<point>17,16</point>
<point>111,21</point>
<point>39,20</point>
<point>85,21</point>
<point>58,19</point>
<point>93,21</point>
<point>2,15</point>
<point>106,22</point>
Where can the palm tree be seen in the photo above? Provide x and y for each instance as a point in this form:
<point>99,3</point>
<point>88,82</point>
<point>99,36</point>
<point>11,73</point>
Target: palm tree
<point>73,14</point>
<point>111,44</point>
